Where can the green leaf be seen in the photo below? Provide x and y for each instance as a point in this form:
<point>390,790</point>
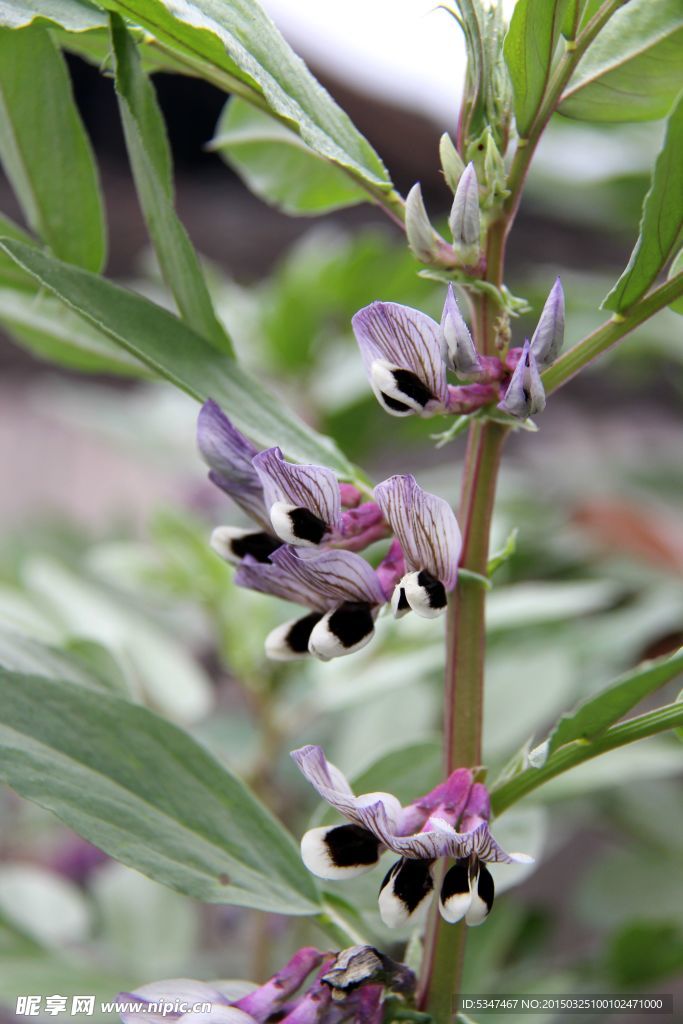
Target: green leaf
<point>173,350</point>
<point>150,160</point>
<point>661,222</point>
<point>49,329</point>
<point>278,166</point>
<point>45,150</point>
<point>72,15</point>
<point>147,794</point>
<point>530,44</point>
<point>632,71</point>
<point>241,42</point>
<point>10,273</point>
<point>675,270</point>
<point>597,713</point>
<point>19,653</point>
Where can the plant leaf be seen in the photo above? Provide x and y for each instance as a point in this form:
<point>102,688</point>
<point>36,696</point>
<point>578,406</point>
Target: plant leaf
<point>240,40</point>
<point>19,653</point>
<point>661,222</point>
<point>677,268</point>
<point>150,160</point>
<point>10,273</point>
<point>49,329</point>
<point>597,713</point>
<point>174,351</point>
<point>72,15</point>
<point>45,150</point>
<point>277,165</point>
<point>147,794</point>
<point>632,71</point>
<point>530,44</point>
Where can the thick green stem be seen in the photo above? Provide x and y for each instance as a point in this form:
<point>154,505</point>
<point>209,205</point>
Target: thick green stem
<point>668,717</point>
<point>444,943</point>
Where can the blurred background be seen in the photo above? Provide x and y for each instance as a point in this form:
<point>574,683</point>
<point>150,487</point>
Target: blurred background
<point>105,514</point>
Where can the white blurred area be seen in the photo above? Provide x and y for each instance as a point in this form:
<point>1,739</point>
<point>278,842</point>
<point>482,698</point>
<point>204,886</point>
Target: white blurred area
<point>409,52</point>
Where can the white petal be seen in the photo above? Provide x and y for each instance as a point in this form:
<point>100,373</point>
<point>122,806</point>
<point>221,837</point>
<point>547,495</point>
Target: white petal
<point>221,542</point>
<point>319,855</point>
<point>282,517</point>
<point>453,905</point>
<point>482,899</point>
<point>420,597</point>
<point>399,602</point>
<point>342,632</point>
<point>384,386</point>
<point>286,642</point>
<point>401,902</point>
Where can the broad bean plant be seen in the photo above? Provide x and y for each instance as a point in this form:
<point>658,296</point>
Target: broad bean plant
<point>311,528</point>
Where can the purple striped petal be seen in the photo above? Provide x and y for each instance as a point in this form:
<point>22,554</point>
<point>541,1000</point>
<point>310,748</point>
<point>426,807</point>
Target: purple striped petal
<point>276,580</point>
<point>478,841</point>
<point>427,845</point>
<point>333,786</point>
<point>331,576</point>
<point>228,453</point>
<point>311,487</point>
<point>395,337</point>
<point>181,991</point>
<point>425,526</point>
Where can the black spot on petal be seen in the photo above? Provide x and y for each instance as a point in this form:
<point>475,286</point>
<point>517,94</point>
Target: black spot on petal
<point>434,589</point>
<point>300,633</point>
<point>485,887</point>
<point>402,605</point>
<point>351,845</point>
<point>411,880</point>
<point>457,880</point>
<point>412,387</point>
<point>350,622</point>
<point>306,525</point>
<point>393,404</point>
<point>259,545</point>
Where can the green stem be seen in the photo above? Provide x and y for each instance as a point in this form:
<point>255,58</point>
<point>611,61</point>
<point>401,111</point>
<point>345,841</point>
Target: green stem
<point>569,364</point>
<point>668,717</point>
<point>445,944</point>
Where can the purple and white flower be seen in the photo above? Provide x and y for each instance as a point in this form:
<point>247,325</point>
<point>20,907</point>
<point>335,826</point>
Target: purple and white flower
<point>302,505</point>
<point>402,354</point>
<point>341,590</point>
<point>548,337</point>
<point>450,821</point>
<point>305,505</point>
<point>429,535</point>
<point>229,454</point>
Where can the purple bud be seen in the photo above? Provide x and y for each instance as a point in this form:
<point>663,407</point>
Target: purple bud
<point>264,1001</point>
<point>458,347</point>
<point>422,238</point>
<point>525,395</point>
<point>549,334</point>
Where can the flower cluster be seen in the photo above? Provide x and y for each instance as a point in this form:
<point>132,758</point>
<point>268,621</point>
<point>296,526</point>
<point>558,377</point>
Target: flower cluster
<point>349,986</point>
<point>308,530</point>
<point>449,822</point>
<point>407,356</point>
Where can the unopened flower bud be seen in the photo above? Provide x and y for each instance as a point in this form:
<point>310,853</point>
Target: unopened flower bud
<point>451,162</point>
<point>525,395</point>
<point>459,349</point>
<point>422,238</point>
<point>495,176</point>
<point>549,334</point>
<point>464,220</point>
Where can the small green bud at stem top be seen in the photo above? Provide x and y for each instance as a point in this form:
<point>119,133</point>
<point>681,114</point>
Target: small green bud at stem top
<point>451,162</point>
